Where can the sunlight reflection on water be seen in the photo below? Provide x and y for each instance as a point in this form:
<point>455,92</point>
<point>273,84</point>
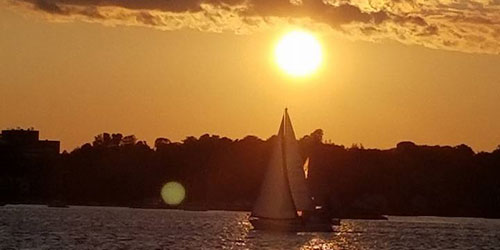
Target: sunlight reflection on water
<point>30,227</point>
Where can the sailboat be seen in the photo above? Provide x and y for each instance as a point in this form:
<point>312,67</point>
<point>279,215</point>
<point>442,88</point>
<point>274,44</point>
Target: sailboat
<point>284,202</point>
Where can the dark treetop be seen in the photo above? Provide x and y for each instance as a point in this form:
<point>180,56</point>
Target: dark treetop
<point>220,173</point>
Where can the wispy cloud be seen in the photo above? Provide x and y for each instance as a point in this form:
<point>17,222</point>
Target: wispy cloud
<point>460,25</point>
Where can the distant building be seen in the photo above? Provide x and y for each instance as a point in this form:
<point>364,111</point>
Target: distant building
<point>27,142</point>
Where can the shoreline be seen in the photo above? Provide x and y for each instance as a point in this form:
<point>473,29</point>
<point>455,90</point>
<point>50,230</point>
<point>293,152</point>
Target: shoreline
<point>207,209</point>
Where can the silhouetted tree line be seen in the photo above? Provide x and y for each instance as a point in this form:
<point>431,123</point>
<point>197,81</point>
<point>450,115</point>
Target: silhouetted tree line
<point>220,173</point>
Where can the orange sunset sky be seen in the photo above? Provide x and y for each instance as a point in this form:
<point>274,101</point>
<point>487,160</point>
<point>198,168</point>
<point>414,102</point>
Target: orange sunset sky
<point>428,72</point>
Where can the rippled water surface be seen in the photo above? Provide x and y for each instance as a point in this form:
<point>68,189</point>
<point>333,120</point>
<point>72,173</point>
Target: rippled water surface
<point>39,227</point>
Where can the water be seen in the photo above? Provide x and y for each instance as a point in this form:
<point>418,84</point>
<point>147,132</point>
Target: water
<point>39,227</point>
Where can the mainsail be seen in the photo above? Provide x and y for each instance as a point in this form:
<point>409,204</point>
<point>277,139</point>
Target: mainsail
<point>284,189</point>
<point>275,200</point>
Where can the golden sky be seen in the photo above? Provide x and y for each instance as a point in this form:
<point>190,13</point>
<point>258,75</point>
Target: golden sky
<point>71,77</point>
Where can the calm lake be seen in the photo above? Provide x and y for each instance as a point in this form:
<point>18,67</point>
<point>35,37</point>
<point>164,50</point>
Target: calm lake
<point>40,227</point>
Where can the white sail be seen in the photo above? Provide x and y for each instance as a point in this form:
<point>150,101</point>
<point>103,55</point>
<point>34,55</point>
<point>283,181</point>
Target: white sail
<point>295,170</point>
<point>275,200</point>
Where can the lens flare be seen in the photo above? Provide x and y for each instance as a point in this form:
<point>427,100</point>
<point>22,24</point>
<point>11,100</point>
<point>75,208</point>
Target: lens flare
<point>173,193</point>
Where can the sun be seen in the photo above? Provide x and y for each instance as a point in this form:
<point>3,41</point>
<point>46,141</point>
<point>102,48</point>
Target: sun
<point>298,53</point>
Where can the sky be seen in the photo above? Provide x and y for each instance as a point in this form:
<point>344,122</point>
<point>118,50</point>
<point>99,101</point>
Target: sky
<point>422,71</point>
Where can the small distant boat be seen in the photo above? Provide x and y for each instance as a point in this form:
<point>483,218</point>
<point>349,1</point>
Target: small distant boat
<point>284,202</point>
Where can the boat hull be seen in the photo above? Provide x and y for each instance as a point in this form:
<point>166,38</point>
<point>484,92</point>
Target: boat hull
<point>293,225</point>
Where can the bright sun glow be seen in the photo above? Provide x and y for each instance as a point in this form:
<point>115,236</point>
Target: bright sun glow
<point>298,53</point>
